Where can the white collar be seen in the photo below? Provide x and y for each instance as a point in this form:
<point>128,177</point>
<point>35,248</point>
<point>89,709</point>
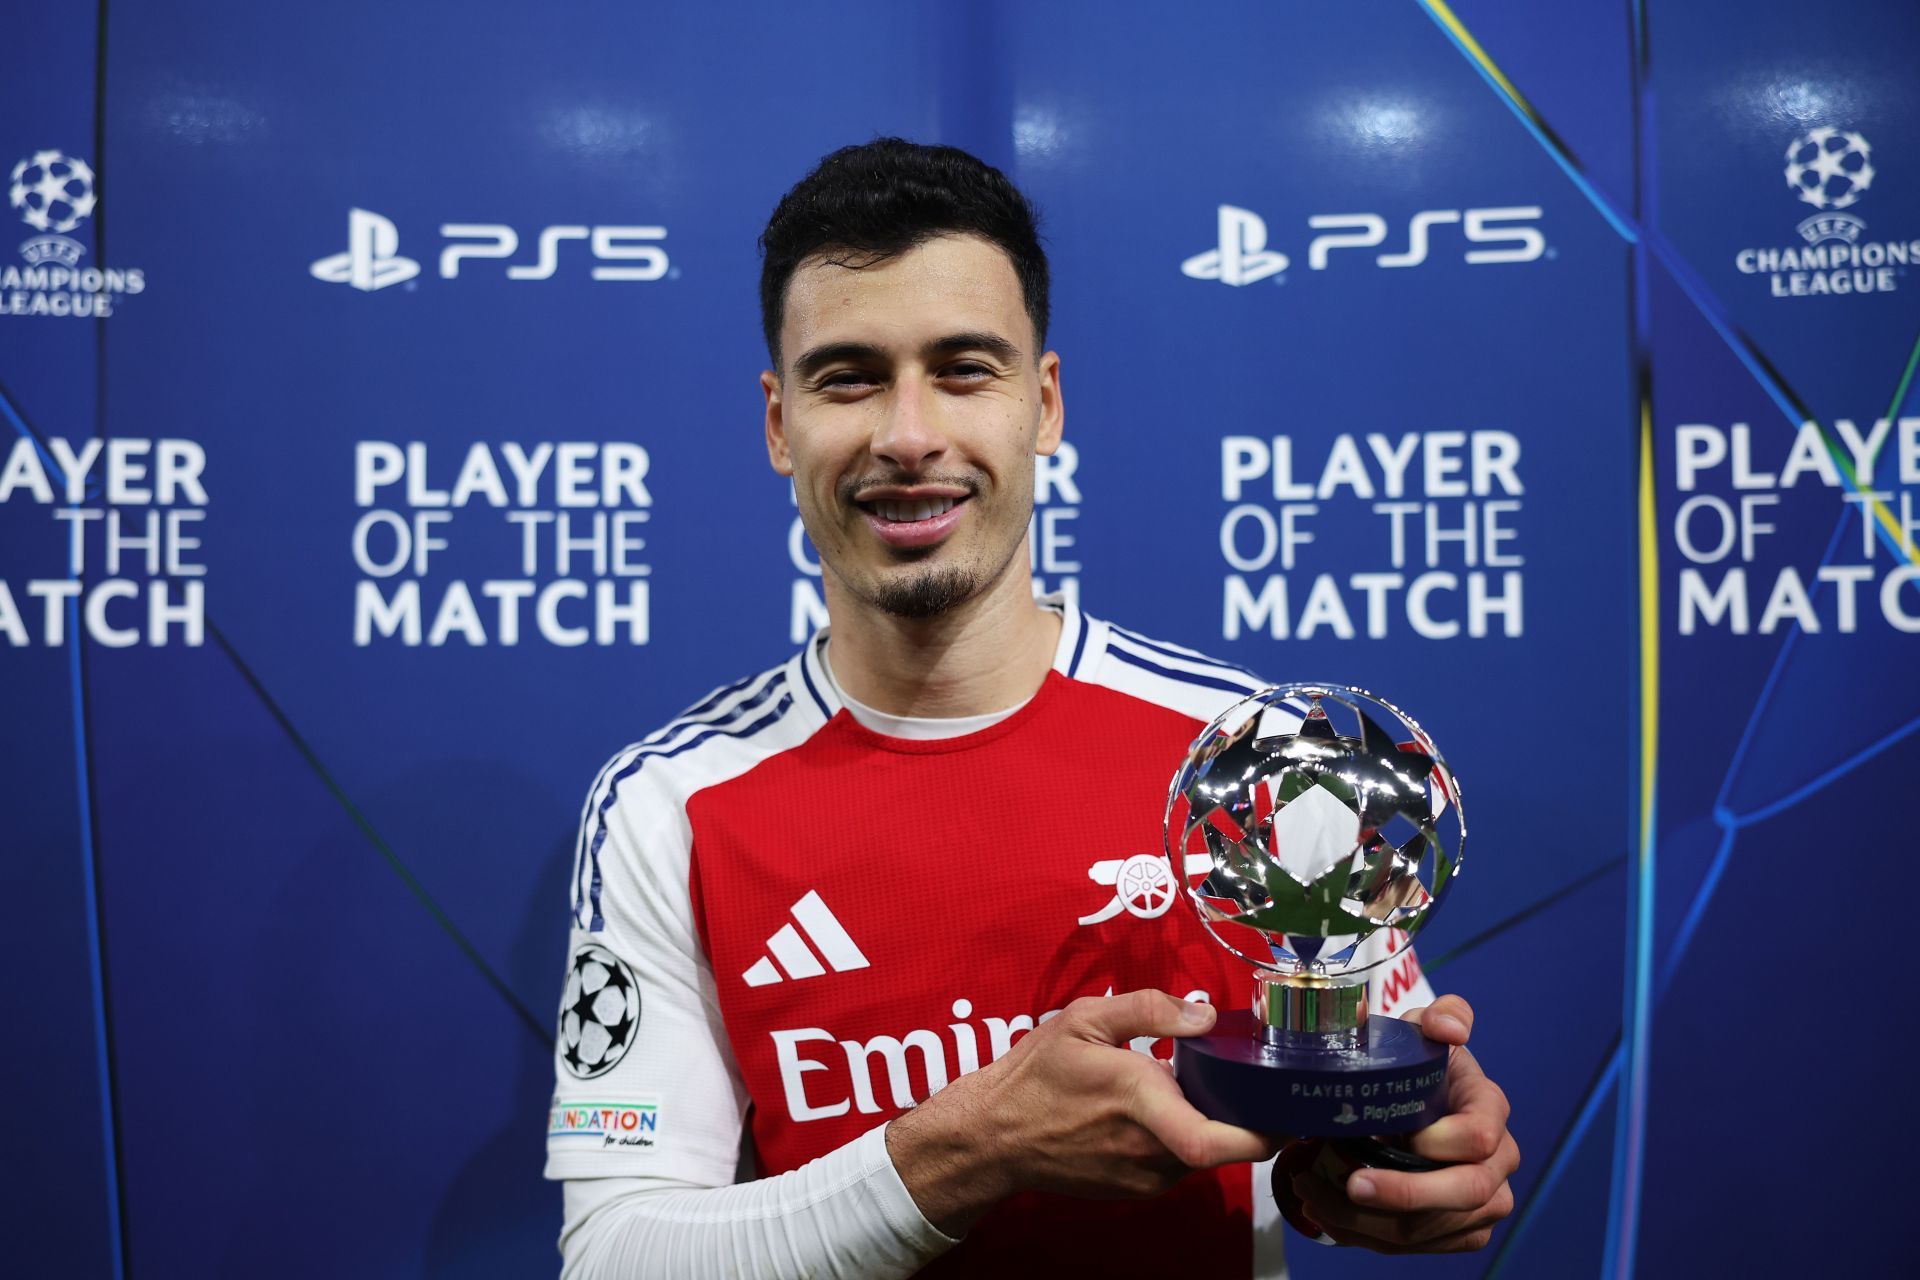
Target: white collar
<point>1070,653</point>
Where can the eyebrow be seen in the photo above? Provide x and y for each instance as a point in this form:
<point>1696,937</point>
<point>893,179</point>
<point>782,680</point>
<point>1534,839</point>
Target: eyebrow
<point>811,362</point>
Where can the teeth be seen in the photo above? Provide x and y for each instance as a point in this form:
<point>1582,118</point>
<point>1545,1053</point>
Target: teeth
<point>903,512</point>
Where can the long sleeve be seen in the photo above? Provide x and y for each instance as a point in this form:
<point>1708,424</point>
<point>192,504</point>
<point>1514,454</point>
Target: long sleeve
<point>842,1216</point>
<point>647,1115</point>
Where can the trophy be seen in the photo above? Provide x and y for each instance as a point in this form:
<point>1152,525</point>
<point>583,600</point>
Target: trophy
<point>1309,818</point>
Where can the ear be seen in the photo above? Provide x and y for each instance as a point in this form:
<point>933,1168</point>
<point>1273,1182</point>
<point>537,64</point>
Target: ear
<point>1053,410</point>
<point>778,454</point>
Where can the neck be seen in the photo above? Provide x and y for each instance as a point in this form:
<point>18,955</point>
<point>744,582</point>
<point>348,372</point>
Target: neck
<point>988,654</point>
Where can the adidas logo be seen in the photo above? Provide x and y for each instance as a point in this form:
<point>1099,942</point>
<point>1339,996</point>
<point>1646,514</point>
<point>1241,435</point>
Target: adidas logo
<point>796,957</point>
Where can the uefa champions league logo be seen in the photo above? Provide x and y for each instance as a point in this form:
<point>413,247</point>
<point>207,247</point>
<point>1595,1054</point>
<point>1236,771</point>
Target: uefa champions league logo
<point>1829,169</point>
<point>53,193</point>
<point>599,1012</point>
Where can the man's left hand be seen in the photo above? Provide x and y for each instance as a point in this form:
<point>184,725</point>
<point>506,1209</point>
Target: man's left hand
<point>1444,1211</point>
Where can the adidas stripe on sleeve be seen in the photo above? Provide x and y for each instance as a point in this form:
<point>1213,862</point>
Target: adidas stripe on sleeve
<point>644,1079</point>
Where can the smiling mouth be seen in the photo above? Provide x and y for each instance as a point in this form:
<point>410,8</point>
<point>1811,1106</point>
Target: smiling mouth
<point>913,523</point>
<point>909,510</point>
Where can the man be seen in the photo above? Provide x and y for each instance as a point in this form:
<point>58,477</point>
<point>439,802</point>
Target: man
<point>869,877</point>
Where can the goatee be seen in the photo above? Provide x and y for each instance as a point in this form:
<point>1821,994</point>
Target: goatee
<point>925,594</point>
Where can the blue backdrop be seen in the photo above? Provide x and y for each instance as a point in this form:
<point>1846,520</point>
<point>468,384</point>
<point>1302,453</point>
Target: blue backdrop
<point>382,450</point>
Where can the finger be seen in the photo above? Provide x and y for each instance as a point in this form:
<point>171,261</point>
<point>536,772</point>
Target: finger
<point>1476,1119</point>
<point>1334,1211</point>
<point>1324,1205</point>
<point>1475,1126</point>
<point>1197,1142</point>
<point>1448,1020</point>
<point>1118,1019</point>
<point>1458,1187</point>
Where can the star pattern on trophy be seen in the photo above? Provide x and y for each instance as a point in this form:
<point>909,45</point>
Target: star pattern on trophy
<point>1316,837</point>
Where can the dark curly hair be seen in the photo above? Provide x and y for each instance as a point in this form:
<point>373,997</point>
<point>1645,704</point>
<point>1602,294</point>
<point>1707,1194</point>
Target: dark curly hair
<point>865,204</point>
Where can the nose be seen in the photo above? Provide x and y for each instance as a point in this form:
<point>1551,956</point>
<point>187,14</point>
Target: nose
<point>909,434</point>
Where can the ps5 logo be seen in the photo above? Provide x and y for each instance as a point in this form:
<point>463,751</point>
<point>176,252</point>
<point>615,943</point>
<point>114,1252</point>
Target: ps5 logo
<point>372,260</point>
<point>626,245</point>
<point>1242,256</point>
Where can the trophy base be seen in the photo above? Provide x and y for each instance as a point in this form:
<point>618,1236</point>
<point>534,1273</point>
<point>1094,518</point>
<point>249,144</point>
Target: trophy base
<point>1390,1080</point>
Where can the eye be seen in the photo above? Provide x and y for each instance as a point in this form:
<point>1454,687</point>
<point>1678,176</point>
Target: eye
<point>847,378</point>
<point>971,369</point>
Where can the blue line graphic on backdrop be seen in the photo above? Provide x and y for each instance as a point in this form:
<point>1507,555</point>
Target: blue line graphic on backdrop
<point>1623,1213</point>
<point>1636,1018</point>
<point>1703,298</point>
<point>399,868</point>
<point>1730,824</point>
<point>96,959</point>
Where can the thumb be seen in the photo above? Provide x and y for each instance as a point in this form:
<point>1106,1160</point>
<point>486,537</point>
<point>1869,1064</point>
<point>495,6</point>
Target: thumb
<point>1448,1020</point>
<point>1118,1019</point>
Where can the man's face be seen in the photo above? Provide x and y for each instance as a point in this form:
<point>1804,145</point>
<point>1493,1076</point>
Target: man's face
<point>909,414</point>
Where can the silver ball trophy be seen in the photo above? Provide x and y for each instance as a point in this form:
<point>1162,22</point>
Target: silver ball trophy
<point>1325,816</point>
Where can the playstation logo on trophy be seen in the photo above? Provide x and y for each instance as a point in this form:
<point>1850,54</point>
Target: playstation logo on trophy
<point>1309,817</point>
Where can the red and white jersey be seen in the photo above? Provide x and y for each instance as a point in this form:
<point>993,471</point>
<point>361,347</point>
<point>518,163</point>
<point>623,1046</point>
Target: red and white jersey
<point>779,908</point>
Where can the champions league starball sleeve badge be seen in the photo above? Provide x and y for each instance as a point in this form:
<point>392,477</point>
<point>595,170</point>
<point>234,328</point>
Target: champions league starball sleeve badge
<point>1308,818</point>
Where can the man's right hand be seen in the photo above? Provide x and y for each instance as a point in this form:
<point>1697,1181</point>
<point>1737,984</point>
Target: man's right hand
<point>1069,1109</point>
